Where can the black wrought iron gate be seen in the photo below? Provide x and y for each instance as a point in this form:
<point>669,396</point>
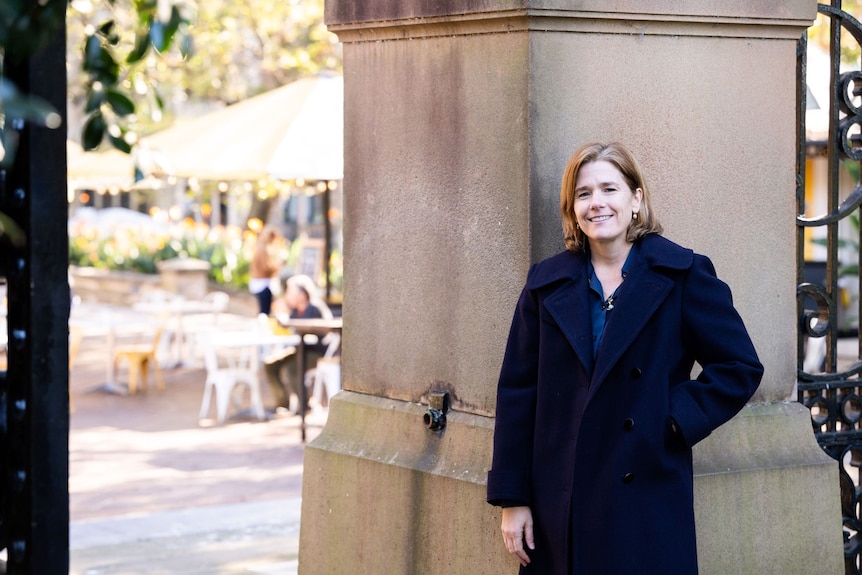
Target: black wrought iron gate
<point>829,381</point>
<point>34,400</point>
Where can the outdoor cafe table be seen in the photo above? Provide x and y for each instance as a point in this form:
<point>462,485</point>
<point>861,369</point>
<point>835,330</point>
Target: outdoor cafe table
<point>251,341</point>
<point>303,327</point>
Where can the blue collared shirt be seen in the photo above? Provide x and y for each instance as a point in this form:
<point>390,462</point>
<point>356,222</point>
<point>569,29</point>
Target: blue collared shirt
<point>598,309</point>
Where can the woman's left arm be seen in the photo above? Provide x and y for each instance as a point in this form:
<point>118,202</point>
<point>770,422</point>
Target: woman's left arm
<point>716,336</point>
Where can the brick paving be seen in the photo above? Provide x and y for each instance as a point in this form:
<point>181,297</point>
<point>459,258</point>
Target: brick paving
<point>153,490</point>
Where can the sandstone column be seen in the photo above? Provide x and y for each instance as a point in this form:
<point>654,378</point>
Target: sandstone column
<point>459,118</point>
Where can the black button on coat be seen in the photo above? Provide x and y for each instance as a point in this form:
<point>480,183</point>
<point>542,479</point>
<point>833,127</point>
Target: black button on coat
<point>608,498</point>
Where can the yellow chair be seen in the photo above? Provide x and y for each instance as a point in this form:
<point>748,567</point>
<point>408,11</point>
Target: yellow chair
<point>140,357</point>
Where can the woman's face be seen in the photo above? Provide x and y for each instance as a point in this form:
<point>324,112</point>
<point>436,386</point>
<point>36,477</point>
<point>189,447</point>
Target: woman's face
<point>604,202</point>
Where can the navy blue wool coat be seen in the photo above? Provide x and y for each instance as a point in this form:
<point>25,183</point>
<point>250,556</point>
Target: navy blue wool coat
<point>588,443</point>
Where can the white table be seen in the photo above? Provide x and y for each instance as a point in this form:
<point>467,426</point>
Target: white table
<point>176,308</point>
<point>251,340</point>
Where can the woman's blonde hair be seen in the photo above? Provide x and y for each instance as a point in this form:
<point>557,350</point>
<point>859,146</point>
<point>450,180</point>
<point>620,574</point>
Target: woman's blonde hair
<point>622,158</point>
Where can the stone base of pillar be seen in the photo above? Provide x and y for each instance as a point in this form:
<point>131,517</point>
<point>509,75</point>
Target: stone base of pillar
<point>767,497</point>
<point>383,494</point>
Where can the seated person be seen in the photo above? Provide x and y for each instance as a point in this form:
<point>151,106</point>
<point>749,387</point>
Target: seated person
<point>282,368</point>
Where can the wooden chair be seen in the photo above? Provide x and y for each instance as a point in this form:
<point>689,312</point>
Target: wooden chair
<point>139,358</point>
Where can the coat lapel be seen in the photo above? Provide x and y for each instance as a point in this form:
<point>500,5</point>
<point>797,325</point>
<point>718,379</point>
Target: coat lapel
<point>639,297</point>
<point>569,306</point>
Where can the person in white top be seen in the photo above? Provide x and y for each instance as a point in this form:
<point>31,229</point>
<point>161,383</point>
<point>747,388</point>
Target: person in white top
<point>265,266</point>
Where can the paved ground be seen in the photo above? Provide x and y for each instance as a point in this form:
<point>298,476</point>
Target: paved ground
<point>153,490</point>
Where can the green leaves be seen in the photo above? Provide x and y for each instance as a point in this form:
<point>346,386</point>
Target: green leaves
<point>99,61</point>
<point>121,104</point>
<point>162,33</point>
<point>108,31</point>
<point>94,131</point>
<point>158,33</point>
<point>202,50</point>
<point>139,249</point>
<point>111,103</point>
<point>119,142</point>
<point>97,129</point>
<point>142,44</point>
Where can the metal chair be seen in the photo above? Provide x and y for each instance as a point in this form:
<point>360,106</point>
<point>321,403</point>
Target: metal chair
<point>327,373</point>
<point>222,380</point>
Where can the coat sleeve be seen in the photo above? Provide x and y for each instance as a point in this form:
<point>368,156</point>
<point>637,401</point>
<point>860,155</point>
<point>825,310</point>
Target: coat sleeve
<point>716,337</point>
<point>509,478</point>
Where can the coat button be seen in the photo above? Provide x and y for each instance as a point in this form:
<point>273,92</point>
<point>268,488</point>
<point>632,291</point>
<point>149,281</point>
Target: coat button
<point>636,373</point>
<point>628,477</point>
<point>628,424</point>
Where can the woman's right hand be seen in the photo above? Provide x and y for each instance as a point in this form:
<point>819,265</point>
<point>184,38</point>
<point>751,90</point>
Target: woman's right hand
<point>517,528</point>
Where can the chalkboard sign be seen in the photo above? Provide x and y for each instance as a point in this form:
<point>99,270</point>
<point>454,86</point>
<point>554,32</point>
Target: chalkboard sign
<point>311,259</point>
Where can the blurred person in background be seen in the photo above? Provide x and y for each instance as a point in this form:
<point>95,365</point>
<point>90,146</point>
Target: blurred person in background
<point>301,301</point>
<point>265,266</point>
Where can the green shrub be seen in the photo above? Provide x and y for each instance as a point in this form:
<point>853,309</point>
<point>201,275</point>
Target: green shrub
<point>228,250</point>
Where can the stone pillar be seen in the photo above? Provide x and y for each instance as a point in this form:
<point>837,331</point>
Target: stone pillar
<point>459,118</point>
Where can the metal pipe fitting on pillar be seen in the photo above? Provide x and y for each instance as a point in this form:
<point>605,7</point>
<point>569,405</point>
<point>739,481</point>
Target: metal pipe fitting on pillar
<point>438,406</point>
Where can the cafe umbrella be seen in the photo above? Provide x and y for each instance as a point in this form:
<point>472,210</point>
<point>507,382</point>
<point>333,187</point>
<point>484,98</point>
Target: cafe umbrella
<point>291,132</point>
<point>295,132</point>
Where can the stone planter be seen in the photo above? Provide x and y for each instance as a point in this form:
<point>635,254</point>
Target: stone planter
<point>188,277</point>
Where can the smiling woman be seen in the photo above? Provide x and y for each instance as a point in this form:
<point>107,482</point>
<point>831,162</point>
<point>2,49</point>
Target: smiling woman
<point>597,412</point>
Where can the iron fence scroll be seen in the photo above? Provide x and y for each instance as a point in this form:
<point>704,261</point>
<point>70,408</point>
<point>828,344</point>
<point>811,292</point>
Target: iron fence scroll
<point>827,383</point>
